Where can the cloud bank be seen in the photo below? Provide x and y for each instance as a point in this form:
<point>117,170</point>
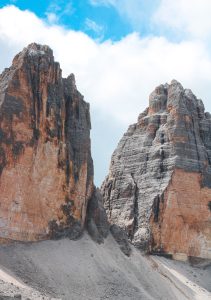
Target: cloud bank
<point>190,17</point>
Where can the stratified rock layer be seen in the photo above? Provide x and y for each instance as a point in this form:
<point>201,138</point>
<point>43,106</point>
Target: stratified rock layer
<point>159,184</point>
<point>46,169</point>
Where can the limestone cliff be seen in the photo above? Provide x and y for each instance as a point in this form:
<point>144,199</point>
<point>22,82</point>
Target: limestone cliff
<point>46,169</point>
<point>159,184</point>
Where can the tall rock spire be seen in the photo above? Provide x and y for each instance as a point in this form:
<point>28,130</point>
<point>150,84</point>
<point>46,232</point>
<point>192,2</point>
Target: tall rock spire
<point>159,184</point>
<point>46,169</point>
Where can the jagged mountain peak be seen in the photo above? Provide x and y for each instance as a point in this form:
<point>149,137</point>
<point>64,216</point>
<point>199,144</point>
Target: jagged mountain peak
<point>173,95</point>
<point>35,49</point>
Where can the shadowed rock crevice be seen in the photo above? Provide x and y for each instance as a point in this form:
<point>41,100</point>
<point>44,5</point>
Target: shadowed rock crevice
<point>156,208</point>
<point>135,212</point>
<point>96,219</point>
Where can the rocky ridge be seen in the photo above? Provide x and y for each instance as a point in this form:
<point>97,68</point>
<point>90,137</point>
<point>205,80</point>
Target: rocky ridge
<point>159,184</point>
<point>46,168</point>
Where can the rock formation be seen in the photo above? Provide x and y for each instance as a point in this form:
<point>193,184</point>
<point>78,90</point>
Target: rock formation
<point>46,169</point>
<point>97,222</point>
<point>159,184</point>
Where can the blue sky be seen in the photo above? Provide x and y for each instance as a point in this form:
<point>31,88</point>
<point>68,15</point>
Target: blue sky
<point>100,19</point>
<point>100,22</point>
<point>119,51</point>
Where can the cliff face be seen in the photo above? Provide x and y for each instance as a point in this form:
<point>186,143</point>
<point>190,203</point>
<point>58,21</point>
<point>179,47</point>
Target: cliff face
<point>46,169</point>
<point>159,184</point>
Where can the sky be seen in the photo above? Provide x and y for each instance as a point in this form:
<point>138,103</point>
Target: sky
<point>119,51</point>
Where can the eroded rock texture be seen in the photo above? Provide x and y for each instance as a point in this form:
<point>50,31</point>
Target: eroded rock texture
<point>159,184</point>
<point>46,169</point>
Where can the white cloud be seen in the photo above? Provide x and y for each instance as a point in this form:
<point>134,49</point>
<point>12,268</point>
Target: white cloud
<point>115,77</point>
<point>190,17</point>
<point>57,10</point>
<point>52,17</point>
<point>93,26</point>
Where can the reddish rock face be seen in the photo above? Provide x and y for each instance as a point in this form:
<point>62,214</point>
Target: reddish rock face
<point>183,226</point>
<point>159,184</point>
<point>46,169</point>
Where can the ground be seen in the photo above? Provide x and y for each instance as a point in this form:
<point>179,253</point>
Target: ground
<point>79,270</point>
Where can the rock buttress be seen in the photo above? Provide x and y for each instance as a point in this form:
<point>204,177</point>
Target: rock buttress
<point>46,169</point>
<point>159,184</point>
